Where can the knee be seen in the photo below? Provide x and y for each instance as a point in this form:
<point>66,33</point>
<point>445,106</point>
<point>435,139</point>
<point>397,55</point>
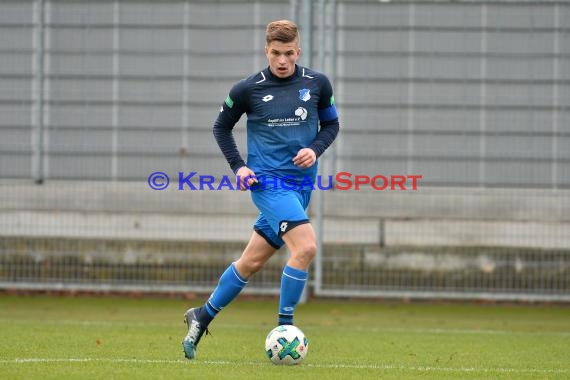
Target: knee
<point>255,266</point>
<point>306,253</point>
<point>248,268</point>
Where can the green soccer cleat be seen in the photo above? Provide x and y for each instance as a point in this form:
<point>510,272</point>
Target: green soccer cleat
<point>195,332</point>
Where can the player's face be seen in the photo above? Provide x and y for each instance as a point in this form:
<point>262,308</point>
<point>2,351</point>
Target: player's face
<point>282,57</point>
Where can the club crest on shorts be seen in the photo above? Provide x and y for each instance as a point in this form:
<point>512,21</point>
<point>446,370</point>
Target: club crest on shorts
<point>305,94</point>
<point>283,226</point>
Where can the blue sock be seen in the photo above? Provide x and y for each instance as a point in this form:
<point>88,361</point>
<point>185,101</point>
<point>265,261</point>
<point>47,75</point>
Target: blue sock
<point>292,285</point>
<point>229,286</point>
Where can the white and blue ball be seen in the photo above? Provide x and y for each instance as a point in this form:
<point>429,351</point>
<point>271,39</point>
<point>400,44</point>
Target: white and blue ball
<point>286,345</point>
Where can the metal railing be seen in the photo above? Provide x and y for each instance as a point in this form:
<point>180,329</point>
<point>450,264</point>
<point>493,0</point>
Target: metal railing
<point>473,96</point>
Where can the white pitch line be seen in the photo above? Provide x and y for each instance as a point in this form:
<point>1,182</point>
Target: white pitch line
<point>242,326</point>
<point>384,367</point>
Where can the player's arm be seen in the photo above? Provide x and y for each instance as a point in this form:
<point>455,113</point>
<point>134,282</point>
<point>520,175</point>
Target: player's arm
<point>230,113</point>
<point>327,134</point>
<point>329,127</point>
<point>328,118</point>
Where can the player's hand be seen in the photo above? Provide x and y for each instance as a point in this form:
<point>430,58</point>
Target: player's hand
<point>305,158</point>
<point>246,178</point>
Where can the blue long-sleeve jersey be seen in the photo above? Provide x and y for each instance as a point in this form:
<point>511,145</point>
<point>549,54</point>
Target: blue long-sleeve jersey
<point>283,117</point>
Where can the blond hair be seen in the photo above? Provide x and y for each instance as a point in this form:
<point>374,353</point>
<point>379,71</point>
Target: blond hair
<point>283,31</point>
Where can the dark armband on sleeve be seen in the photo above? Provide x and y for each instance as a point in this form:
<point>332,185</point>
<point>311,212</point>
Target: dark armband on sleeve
<point>223,134</point>
<point>327,134</point>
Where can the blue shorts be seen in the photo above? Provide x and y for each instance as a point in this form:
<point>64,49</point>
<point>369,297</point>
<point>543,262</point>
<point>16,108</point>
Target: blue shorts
<point>279,211</point>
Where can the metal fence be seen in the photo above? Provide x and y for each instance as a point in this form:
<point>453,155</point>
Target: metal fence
<point>474,96</point>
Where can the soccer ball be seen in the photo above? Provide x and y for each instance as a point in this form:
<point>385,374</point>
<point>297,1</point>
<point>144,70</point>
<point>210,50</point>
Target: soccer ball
<point>286,345</point>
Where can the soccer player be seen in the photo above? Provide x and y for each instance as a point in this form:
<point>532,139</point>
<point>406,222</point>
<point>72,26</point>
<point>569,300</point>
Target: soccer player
<point>284,103</point>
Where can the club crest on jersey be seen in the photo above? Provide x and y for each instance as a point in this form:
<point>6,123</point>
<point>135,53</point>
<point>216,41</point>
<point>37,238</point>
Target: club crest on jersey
<point>305,94</point>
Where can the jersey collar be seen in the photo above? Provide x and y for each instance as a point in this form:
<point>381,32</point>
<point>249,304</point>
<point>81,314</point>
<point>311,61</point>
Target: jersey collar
<point>270,75</point>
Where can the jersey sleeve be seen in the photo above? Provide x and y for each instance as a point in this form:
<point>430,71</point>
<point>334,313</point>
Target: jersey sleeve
<point>327,107</point>
<point>328,118</point>
<point>231,111</point>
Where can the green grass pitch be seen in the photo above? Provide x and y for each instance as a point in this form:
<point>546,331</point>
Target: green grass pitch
<point>45,337</point>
